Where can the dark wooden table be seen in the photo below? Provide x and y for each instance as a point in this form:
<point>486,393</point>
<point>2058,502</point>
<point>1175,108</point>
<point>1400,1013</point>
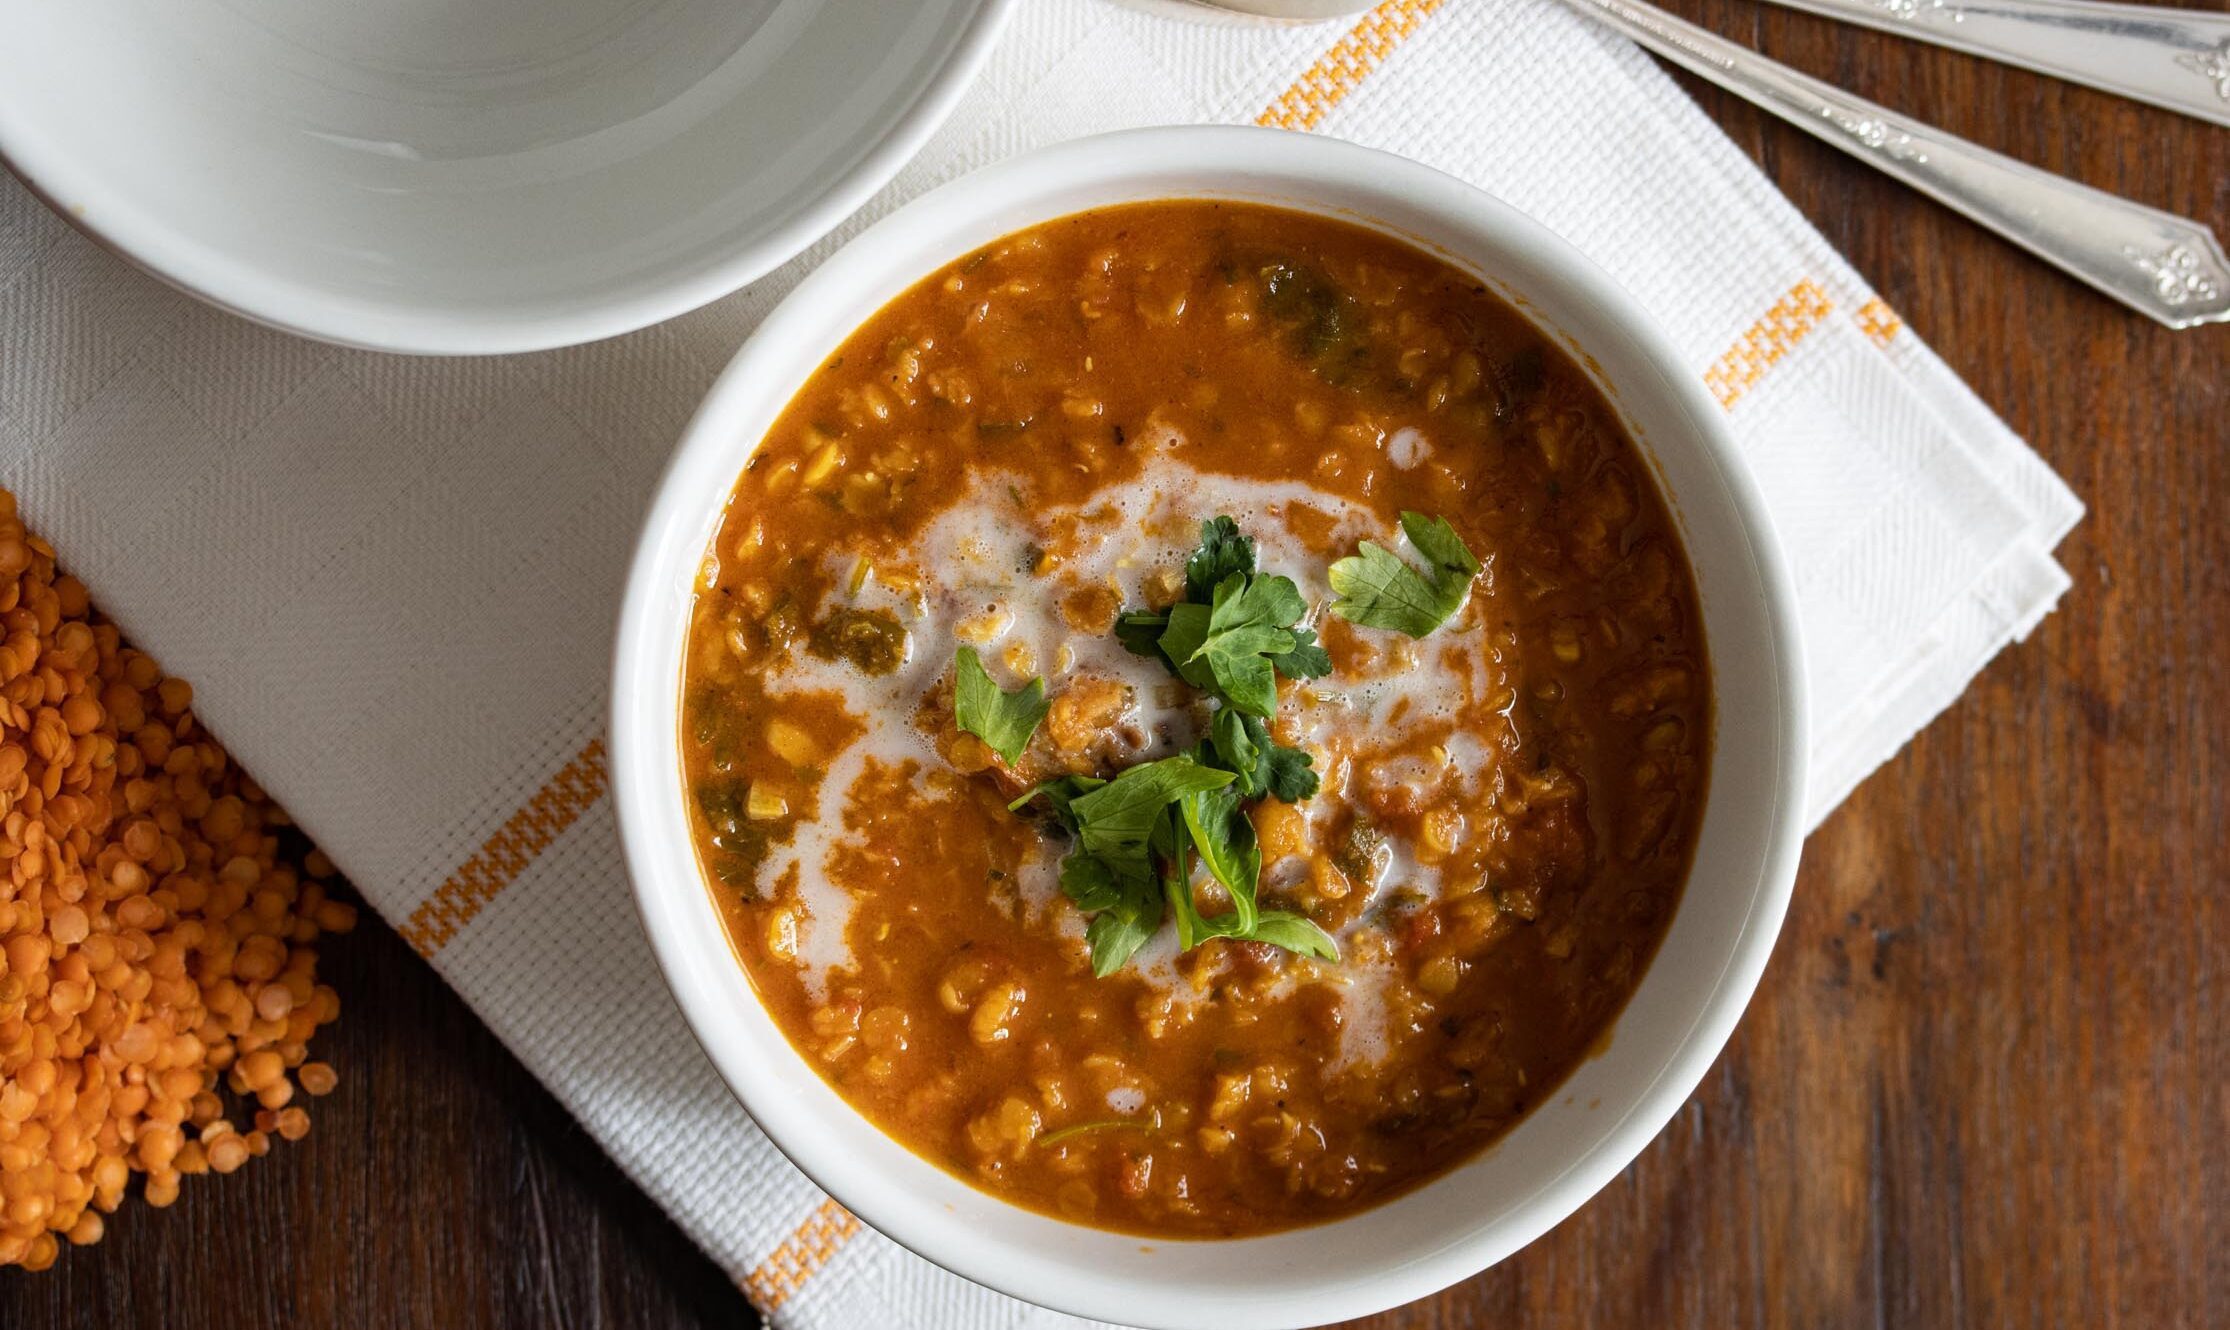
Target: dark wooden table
<point>1983,1083</point>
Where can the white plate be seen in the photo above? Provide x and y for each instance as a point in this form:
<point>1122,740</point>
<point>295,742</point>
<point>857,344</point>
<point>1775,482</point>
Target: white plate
<point>472,176</point>
<point>1685,1006</point>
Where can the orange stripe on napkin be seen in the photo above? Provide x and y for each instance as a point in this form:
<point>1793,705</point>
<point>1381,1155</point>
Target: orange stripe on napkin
<point>1342,69</point>
<point>1878,321</point>
<point>1791,320</point>
<point>503,856</point>
<point>785,1270</point>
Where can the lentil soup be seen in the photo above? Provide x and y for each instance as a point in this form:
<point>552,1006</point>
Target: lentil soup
<point>1197,718</point>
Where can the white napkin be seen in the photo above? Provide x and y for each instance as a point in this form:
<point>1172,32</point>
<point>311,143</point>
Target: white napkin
<point>392,581</point>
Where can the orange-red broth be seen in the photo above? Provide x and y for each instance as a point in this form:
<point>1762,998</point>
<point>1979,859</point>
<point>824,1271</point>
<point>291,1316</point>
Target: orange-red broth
<point>1021,446</point>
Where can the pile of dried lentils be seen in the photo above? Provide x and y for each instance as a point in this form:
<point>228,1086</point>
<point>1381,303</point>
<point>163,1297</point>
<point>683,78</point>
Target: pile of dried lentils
<point>158,962</point>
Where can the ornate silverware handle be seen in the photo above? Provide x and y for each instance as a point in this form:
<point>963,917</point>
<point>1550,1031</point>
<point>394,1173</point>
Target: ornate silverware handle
<point>2177,58</point>
<point>2168,267</point>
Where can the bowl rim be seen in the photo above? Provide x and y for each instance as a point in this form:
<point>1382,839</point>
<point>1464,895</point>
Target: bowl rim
<point>110,216</point>
<point>1173,151</point>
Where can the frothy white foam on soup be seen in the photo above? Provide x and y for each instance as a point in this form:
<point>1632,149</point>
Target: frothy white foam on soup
<point>1407,447</point>
<point>1366,1023</point>
<point>971,577</point>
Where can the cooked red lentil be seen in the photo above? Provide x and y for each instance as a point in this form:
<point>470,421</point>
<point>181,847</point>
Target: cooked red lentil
<point>1014,459</point>
<point>155,946</point>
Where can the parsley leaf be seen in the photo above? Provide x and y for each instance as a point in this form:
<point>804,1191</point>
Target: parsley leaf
<point>1224,837</point>
<point>1289,776</point>
<point>1001,719</point>
<point>1091,883</point>
<point>1140,632</point>
<point>1230,616</point>
<point>1438,541</point>
<point>1181,642</point>
<point>1223,551</point>
<point>1137,837</point>
<point>1230,647</point>
<point>1241,743</point>
<point>1116,934</point>
<point>1174,844</point>
<point>1193,927</point>
<point>1228,850</point>
<point>1060,793</point>
<point>1125,828</point>
<point>1378,590</point>
<point>1119,826</point>
<point>1238,741</point>
<point>1267,605</point>
<point>1115,821</point>
<point>1246,625</point>
<point>1306,660</point>
<point>1136,840</point>
<point>1283,928</point>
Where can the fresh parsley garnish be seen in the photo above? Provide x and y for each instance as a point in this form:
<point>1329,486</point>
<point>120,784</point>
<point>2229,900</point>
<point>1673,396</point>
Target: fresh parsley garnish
<point>1123,839</point>
<point>1140,631</point>
<point>1138,837</point>
<point>1220,831</point>
<point>1306,660</point>
<point>1223,551</point>
<point>1191,639</point>
<point>1001,719</point>
<point>1224,647</point>
<point>1116,821</point>
<point>1224,837</point>
<point>1235,631</point>
<point>1241,744</point>
<point>1284,928</point>
<point>1059,794</point>
<point>1136,840</point>
<point>1378,589</point>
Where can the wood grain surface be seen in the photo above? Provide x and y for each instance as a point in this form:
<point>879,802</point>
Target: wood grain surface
<point>1982,1084</point>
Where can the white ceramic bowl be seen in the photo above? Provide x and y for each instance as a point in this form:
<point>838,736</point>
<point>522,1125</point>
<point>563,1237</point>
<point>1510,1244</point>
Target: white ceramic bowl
<point>1614,1103</point>
<point>498,175</point>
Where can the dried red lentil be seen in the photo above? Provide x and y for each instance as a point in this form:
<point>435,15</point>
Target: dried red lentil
<point>153,944</point>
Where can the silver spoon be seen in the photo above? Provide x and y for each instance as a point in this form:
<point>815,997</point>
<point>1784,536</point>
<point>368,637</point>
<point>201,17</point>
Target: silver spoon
<point>2166,267</point>
<point>2177,58</point>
